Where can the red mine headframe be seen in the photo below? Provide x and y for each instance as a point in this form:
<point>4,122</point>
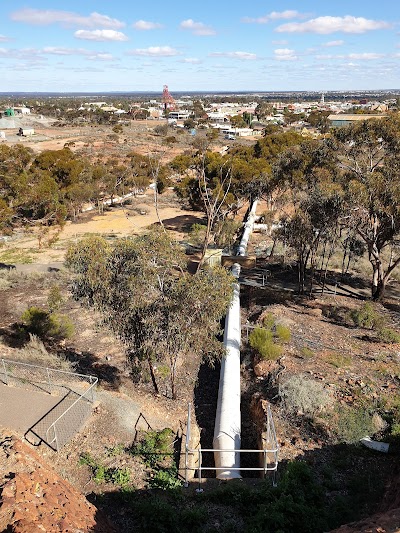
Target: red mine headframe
<point>167,100</point>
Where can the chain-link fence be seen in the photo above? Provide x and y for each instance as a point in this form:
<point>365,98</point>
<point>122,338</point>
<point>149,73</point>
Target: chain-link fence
<point>76,393</point>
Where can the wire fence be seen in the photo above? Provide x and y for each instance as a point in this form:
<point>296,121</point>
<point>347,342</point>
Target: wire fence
<point>76,393</point>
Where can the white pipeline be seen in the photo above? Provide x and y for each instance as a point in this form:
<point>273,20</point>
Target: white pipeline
<point>228,416</point>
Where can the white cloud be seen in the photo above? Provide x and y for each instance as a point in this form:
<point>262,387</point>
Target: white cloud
<point>89,54</point>
<point>197,28</point>
<point>4,39</point>
<point>334,43</point>
<point>101,35</point>
<point>61,51</point>
<point>155,51</point>
<point>43,17</point>
<point>101,57</point>
<point>366,55</point>
<point>360,56</point>
<point>235,55</point>
<point>274,15</point>
<point>144,25</point>
<point>191,60</point>
<point>285,54</point>
<point>326,25</point>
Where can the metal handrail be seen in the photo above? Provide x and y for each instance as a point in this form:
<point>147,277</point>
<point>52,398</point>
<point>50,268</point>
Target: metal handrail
<point>54,424</point>
<point>93,380</point>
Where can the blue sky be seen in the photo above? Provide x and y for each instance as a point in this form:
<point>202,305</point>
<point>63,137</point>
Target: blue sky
<point>98,45</point>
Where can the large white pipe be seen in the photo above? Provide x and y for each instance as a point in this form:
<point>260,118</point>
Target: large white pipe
<point>228,417</point>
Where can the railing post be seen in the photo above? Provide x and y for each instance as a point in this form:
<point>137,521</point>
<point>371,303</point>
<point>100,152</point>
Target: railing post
<point>200,461</point>
<point>5,371</point>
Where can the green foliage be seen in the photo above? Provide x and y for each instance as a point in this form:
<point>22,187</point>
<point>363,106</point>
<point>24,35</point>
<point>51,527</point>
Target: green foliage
<point>366,316</point>
<point>197,234</point>
<point>46,324</point>
<point>301,394</point>
<point>351,424</point>
<point>388,335</point>
<point>283,333</point>
<point>338,360</point>
<point>157,516</point>
<point>269,321</point>
<point>306,352</point>
<point>103,474</point>
<point>154,446</point>
<point>261,340</point>
<point>165,479</point>
<point>162,313</point>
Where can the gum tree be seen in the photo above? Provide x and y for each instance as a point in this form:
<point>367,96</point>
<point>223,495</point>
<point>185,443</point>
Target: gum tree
<point>368,158</point>
<point>167,318</point>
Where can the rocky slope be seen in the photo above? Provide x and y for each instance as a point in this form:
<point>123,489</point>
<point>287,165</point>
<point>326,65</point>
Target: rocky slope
<point>35,498</point>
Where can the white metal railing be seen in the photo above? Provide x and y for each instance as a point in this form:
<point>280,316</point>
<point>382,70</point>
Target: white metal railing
<point>269,453</point>
<point>58,421</point>
<point>52,381</point>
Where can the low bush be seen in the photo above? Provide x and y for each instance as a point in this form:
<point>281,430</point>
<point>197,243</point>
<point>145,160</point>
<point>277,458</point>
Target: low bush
<point>283,333</point>
<point>306,352</point>
<point>388,335</point>
<point>367,317</point>
<point>301,394</point>
<point>154,447</point>
<point>352,424</point>
<point>104,474</point>
<point>165,479</point>
<point>46,324</point>
<point>261,340</point>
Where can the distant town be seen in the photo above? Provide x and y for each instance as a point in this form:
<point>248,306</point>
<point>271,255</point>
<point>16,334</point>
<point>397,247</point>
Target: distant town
<point>231,114</point>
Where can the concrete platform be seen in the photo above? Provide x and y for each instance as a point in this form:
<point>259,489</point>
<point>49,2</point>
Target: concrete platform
<point>21,409</point>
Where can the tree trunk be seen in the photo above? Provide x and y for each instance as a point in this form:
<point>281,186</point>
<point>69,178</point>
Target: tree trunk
<point>153,376</point>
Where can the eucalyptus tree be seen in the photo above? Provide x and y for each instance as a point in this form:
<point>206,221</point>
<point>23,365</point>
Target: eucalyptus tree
<point>368,158</point>
<point>306,173</point>
<point>167,318</point>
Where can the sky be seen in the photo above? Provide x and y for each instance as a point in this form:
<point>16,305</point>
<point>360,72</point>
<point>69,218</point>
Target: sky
<point>220,45</point>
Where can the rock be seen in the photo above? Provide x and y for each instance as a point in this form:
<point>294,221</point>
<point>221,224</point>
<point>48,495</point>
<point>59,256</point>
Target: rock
<point>263,368</point>
<point>36,498</point>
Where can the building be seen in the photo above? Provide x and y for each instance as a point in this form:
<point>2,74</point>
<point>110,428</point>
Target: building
<point>337,121</point>
<point>178,115</point>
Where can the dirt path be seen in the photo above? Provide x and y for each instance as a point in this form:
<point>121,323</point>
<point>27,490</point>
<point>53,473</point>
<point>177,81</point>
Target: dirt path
<point>115,223</point>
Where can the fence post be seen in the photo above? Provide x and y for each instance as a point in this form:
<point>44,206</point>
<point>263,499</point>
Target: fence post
<point>49,380</point>
<point>5,371</point>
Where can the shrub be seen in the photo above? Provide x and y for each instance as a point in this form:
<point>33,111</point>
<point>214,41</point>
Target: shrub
<point>302,394</point>
<point>61,326</point>
<point>35,352</point>
<point>36,320</point>
<point>45,324</point>
<point>352,424</point>
<point>54,299</point>
<point>269,321</point>
<point>101,473</point>
<point>261,340</point>
<point>197,234</point>
<point>165,479</point>
<point>388,335</point>
<point>283,333</point>
<point>366,317</point>
<point>154,447</point>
